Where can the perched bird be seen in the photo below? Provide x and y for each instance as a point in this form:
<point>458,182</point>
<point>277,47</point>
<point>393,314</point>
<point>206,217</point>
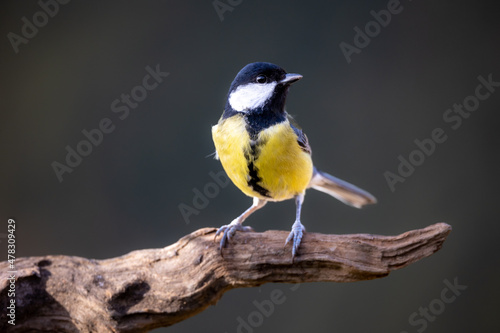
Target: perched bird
<point>266,154</point>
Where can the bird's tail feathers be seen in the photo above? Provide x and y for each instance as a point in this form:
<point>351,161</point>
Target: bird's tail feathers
<point>341,190</point>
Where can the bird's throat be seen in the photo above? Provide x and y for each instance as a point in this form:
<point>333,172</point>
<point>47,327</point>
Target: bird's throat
<point>257,121</point>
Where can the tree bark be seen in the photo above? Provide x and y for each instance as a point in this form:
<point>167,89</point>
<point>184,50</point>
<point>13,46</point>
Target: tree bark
<point>146,289</point>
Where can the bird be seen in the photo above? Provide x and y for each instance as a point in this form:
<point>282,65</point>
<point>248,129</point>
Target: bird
<point>266,154</point>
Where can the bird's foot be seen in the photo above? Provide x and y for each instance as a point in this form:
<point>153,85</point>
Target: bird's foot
<point>296,234</point>
<point>228,231</point>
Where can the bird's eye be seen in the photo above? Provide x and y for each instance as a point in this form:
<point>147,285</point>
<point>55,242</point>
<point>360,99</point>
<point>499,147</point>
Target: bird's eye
<point>261,79</point>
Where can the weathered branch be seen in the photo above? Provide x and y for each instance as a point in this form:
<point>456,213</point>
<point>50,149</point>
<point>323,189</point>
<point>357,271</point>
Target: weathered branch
<point>147,289</point>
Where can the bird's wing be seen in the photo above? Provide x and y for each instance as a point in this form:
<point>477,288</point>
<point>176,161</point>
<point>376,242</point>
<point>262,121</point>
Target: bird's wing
<point>341,190</point>
<point>301,136</point>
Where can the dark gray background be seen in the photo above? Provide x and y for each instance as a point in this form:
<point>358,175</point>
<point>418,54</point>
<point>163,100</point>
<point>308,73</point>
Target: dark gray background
<point>359,118</point>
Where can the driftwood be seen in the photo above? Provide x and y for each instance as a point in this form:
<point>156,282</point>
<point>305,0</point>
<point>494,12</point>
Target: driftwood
<point>147,289</point>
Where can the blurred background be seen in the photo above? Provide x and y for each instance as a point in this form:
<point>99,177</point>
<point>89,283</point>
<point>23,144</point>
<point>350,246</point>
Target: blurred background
<point>363,102</point>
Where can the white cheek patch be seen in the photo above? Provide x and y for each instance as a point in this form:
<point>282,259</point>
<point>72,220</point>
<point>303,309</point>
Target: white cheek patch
<point>251,96</point>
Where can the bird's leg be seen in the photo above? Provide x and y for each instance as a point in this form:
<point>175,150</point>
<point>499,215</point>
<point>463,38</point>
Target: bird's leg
<point>297,228</point>
<point>229,229</point>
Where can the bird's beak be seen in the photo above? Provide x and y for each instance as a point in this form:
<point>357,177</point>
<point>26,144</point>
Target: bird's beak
<point>290,78</point>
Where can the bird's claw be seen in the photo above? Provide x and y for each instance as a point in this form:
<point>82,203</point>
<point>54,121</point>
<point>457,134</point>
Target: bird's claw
<point>296,234</point>
<point>228,232</point>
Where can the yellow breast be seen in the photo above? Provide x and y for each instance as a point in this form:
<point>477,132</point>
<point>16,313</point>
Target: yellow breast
<point>283,168</point>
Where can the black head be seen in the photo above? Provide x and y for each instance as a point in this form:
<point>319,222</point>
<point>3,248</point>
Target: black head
<point>258,88</point>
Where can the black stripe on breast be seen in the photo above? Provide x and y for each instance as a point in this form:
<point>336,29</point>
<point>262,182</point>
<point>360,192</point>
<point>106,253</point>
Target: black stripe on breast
<point>254,180</point>
<point>256,121</point>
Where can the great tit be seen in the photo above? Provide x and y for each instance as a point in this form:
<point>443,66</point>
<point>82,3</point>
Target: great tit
<point>264,152</point>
